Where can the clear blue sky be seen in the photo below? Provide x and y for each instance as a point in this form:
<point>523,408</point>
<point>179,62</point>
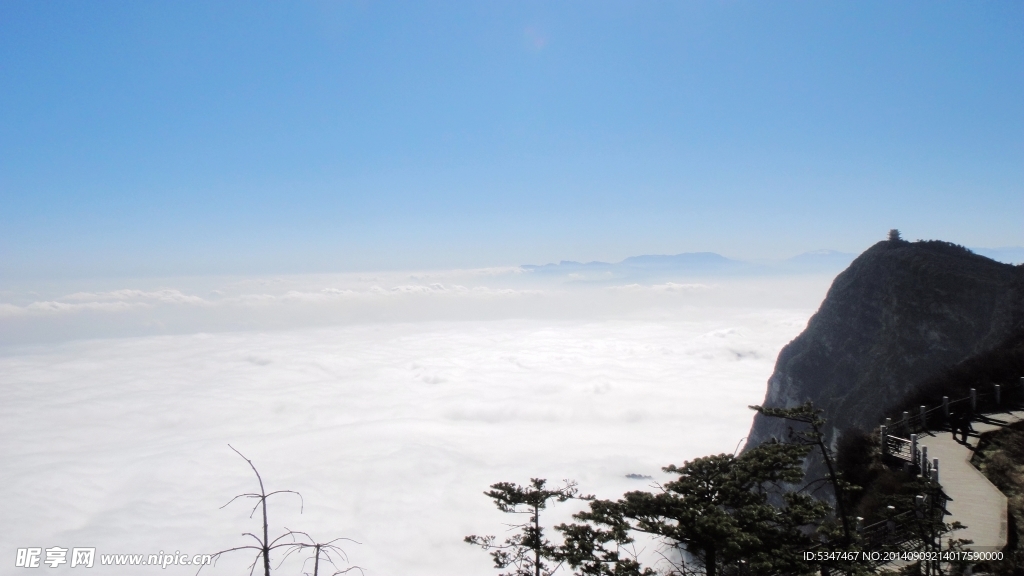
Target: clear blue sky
<point>205,137</point>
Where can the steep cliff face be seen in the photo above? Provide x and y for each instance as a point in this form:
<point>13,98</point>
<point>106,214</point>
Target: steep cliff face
<point>900,314</point>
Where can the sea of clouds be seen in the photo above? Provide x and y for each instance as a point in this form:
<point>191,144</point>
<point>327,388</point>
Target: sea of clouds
<point>391,401</point>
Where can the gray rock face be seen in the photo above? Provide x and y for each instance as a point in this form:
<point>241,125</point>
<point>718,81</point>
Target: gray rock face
<point>898,315</point>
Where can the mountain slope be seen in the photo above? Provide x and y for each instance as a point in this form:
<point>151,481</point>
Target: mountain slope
<point>900,314</point>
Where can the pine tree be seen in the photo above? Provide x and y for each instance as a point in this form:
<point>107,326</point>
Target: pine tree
<point>811,435</point>
<point>599,543</point>
<point>528,552</point>
<point>718,514</point>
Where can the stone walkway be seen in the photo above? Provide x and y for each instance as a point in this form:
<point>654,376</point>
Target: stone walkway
<point>976,502</point>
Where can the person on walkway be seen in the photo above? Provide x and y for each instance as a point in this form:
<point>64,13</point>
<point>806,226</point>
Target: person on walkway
<point>960,422</point>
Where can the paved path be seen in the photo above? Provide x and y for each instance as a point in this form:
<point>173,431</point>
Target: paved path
<point>976,503</point>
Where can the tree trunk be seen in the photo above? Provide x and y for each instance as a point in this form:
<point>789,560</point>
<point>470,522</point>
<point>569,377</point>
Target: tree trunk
<point>840,507</point>
<point>266,539</point>
<point>536,549</point>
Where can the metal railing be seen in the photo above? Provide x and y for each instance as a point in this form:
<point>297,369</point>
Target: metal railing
<point>938,417</point>
<point>897,447</point>
<point>899,444</point>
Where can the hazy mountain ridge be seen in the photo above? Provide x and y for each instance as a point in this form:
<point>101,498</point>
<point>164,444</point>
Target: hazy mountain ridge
<point>690,263</point>
<point>711,263</point>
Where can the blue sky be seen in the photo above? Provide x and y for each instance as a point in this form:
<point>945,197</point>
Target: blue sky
<point>146,138</point>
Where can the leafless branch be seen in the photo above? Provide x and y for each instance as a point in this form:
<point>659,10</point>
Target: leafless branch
<point>328,551</point>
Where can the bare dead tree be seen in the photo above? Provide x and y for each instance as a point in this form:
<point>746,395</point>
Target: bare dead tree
<point>291,541</point>
<point>330,552</point>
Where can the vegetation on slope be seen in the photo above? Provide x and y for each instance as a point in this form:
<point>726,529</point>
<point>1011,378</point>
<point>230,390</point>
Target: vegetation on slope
<point>1002,364</point>
<point>1000,457</point>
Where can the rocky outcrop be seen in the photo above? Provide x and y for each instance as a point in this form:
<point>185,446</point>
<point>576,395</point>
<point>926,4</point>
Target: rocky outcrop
<point>901,313</point>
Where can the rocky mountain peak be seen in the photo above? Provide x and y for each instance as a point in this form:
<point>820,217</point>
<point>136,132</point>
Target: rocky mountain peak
<point>898,315</point>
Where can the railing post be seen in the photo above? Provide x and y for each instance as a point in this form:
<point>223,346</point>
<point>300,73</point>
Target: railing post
<point>999,398</point>
<point>924,461</point>
<point>883,431</point>
<point>945,407</point>
<point>924,422</point>
<point>913,449</point>
<point>974,400</point>
<point>906,421</point>
<point>935,470</point>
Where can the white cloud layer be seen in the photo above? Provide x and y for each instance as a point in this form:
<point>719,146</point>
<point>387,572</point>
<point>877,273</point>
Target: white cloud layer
<point>391,405</point>
<point>189,305</point>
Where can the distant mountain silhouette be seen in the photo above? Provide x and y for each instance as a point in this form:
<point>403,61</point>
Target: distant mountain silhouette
<point>652,266</point>
<point>648,266</point>
<point>694,260</point>
<point>662,266</point>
